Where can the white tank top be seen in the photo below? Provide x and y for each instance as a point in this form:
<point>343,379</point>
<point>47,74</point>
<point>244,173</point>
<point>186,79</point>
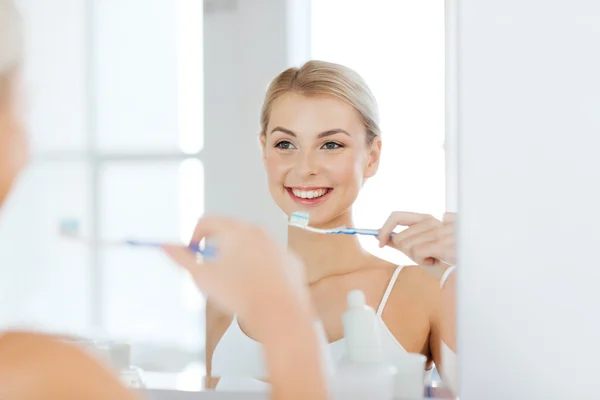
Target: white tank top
<point>238,359</point>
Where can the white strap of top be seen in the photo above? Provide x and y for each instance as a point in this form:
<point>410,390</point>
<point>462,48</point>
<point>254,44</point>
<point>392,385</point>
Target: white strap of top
<point>388,290</point>
<point>446,275</point>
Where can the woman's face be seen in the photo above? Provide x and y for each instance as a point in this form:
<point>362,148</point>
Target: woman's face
<point>13,143</point>
<point>317,157</point>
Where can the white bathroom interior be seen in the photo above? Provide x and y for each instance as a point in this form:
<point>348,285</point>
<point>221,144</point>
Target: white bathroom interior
<point>144,115</point>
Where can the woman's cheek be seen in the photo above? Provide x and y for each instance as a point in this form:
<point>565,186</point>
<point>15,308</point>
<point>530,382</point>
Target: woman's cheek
<point>344,169</point>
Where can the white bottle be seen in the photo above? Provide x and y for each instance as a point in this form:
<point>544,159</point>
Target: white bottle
<point>120,357</point>
<point>362,374</point>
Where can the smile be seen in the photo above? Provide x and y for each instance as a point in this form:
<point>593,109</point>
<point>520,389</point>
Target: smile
<point>310,196</point>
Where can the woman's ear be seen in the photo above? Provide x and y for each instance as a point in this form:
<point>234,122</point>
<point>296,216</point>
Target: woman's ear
<point>374,155</point>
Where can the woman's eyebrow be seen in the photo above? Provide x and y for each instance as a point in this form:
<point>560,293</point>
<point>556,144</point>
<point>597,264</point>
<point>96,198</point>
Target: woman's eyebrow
<point>321,135</point>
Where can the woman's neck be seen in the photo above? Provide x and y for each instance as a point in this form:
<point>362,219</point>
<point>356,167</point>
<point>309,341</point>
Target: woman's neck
<point>327,255</point>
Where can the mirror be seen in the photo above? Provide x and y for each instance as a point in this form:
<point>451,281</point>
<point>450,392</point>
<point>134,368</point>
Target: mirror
<point>138,131</point>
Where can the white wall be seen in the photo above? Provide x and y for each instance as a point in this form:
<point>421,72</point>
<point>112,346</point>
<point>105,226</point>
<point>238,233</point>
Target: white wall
<point>451,104</point>
<point>529,124</point>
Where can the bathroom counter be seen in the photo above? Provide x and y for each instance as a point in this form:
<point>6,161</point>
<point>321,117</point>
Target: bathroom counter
<point>165,394</point>
<point>206,395</point>
<point>165,386</point>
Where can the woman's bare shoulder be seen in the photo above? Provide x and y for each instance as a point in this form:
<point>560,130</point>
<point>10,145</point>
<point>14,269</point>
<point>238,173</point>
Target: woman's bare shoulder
<point>33,365</point>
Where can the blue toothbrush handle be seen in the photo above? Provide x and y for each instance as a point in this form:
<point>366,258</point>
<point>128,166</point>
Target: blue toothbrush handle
<point>368,232</point>
<point>206,252</point>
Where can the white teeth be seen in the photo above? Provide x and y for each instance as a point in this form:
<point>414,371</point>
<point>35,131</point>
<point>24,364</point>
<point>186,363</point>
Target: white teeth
<point>309,194</point>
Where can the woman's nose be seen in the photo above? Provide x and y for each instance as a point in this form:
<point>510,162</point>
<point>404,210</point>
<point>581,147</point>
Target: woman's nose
<point>307,164</point>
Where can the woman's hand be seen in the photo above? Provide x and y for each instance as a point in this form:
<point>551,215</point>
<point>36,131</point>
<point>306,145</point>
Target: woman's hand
<point>426,240</point>
<point>249,273</point>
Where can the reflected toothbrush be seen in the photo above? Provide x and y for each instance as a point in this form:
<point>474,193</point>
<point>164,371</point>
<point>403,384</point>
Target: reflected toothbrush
<point>300,219</point>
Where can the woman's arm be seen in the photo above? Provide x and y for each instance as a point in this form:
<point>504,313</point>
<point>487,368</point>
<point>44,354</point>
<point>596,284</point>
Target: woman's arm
<point>443,321</point>
<point>292,352</point>
<point>443,333</point>
<point>263,284</point>
<point>217,322</point>
<point>448,312</point>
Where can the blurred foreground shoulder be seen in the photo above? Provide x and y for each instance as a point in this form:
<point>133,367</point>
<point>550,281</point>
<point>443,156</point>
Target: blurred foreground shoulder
<point>35,366</point>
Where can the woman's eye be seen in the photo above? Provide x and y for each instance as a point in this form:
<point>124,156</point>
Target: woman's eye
<point>284,145</point>
<point>332,146</point>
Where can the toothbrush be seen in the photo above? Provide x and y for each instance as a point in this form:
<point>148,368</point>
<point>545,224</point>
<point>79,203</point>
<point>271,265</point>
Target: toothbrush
<point>70,229</point>
<point>300,219</point>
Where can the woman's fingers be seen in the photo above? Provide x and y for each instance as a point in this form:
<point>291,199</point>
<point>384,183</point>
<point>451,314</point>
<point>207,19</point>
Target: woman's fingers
<point>207,275</point>
<point>423,236</point>
<point>185,258</point>
<point>442,249</point>
<point>399,218</point>
<point>426,239</point>
<point>449,218</point>
<point>214,227</point>
<point>416,233</point>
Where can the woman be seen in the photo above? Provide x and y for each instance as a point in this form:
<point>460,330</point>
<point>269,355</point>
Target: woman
<point>321,141</point>
<point>36,366</point>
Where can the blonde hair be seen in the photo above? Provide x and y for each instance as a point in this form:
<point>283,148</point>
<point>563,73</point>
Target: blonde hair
<point>325,79</point>
<point>10,38</point>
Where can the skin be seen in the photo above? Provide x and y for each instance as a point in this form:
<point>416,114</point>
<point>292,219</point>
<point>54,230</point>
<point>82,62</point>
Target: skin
<point>321,142</point>
<point>34,366</point>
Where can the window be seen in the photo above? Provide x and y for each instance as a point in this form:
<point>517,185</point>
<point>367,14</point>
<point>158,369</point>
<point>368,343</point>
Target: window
<point>116,94</point>
<point>398,48</point>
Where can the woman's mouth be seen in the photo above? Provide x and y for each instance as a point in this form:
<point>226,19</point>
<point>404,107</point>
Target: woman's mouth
<point>310,195</point>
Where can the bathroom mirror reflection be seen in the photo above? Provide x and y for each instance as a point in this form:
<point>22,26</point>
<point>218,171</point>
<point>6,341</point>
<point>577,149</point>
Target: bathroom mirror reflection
<point>254,109</point>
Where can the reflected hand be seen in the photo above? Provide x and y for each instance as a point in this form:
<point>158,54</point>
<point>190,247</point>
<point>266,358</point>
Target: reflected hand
<point>250,273</point>
<point>426,240</point>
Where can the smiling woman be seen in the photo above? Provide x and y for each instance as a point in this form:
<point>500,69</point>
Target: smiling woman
<point>321,142</point>
<point>309,195</point>
<point>320,137</point>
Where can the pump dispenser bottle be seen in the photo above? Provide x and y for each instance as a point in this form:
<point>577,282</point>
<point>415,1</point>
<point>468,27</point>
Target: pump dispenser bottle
<point>362,374</point>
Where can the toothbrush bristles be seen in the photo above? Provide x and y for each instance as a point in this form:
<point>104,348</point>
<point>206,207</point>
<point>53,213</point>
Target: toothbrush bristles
<point>69,227</point>
<point>300,218</point>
